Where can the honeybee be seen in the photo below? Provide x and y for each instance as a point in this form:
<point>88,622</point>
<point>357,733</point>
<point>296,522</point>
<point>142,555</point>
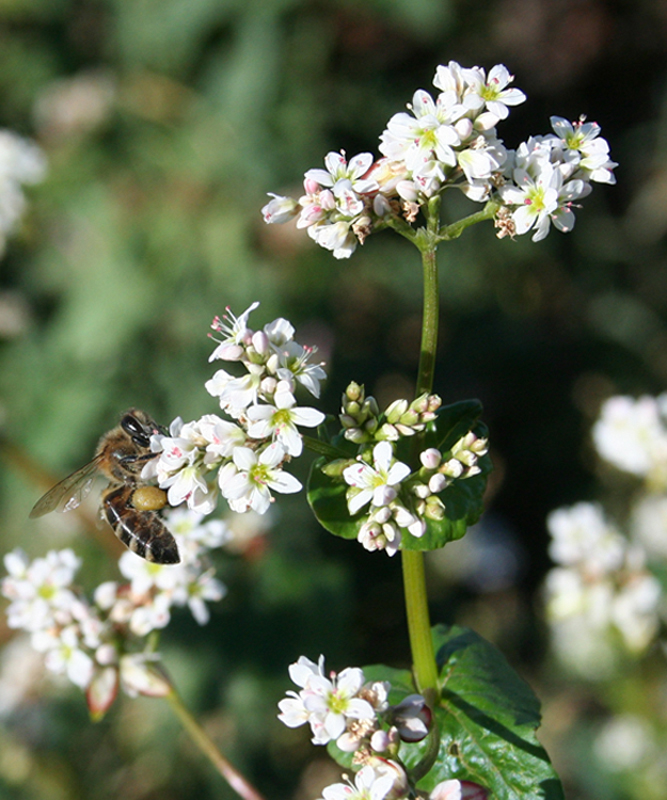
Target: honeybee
<point>128,504</point>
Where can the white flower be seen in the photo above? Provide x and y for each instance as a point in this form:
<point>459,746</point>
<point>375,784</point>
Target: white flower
<point>204,588</point>
<point>237,334</point>
<point>625,742</point>
<point>581,536</point>
<point>649,525</point>
<point>39,591</point>
<point>491,92</point>
<point>334,700</point>
<point>280,209</point>
<point>153,615</point>
<point>335,236</point>
<point>21,162</point>
<point>249,485</point>
<point>339,170</point>
<point>67,656</point>
<point>369,784</point>
<point>635,611</point>
<point>293,364</point>
<point>632,436</point>
<point>536,198</point>
<point>192,527</point>
<point>447,790</point>
<point>376,484</point>
<point>327,704</point>
<point>280,421</point>
<point>236,394</point>
<point>585,148</point>
<point>417,140</point>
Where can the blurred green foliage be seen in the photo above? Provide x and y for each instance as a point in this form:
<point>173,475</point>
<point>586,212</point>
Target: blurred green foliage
<point>165,123</point>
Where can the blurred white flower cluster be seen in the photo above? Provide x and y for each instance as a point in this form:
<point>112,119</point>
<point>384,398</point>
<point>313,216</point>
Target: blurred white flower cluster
<point>450,142</point>
<point>632,435</point>
<point>99,644</point>
<point>356,714</point>
<point>398,499</point>
<point>248,451</point>
<point>603,598</point>
<point>21,162</point>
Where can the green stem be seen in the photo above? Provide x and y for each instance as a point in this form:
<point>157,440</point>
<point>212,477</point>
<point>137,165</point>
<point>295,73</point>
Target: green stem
<point>204,742</point>
<point>414,583</point>
<point>419,624</point>
<point>454,230</point>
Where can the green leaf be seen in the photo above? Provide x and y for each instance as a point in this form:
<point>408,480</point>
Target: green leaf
<point>326,496</point>
<point>488,717</point>
<point>463,500</point>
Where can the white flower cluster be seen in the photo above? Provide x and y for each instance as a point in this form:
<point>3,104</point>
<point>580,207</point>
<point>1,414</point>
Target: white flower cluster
<point>398,499</point>
<point>341,708</point>
<point>385,780</point>
<point>451,142</point>
<point>21,162</point>
<point>97,644</point>
<point>632,435</point>
<point>601,593</point>
<point>347,709</point>
<point>356,715</point>
<point>249,450</point>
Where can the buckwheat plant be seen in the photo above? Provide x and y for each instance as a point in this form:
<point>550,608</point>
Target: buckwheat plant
<point>605,595</point>
<point>404,479</point>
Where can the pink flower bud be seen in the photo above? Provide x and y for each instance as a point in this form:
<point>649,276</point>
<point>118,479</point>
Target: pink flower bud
<point>431,458</point>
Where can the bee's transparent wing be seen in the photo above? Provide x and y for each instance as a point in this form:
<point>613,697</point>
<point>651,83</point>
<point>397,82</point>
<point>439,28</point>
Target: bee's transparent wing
<point>69,493</point>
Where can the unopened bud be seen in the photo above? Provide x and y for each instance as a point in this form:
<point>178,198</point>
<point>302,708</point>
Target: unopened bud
<point>435,508</point>
<point>357,436</point>
<point>437,483</point>
<point>420,404</point>
<point>396,410</point>
<point>371,406</point>
<point>464,128</point>
<point>106,654</point>
<point>412,717</point>
<point>383,766</point>
<point>334,469</point>
<point>268,386</point>
<point>452,468</point>
<point>142,674</point>
<point>387,433</point>
<point>260,341</point>
<point>410,418</point>
<point>421,490</point>
<point>354,392</point>
<point>380,741</point>
<point>430,458</point>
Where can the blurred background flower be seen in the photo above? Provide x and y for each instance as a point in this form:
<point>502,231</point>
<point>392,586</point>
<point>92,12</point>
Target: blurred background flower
<point>164,125</point>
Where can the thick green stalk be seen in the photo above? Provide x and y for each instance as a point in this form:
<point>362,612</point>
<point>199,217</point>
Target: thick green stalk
<point>419,624</point>
<point>414,583</point>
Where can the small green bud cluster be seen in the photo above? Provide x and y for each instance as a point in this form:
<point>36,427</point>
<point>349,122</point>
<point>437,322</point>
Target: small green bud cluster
<point>363,422</point>
<point>439,470</point>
